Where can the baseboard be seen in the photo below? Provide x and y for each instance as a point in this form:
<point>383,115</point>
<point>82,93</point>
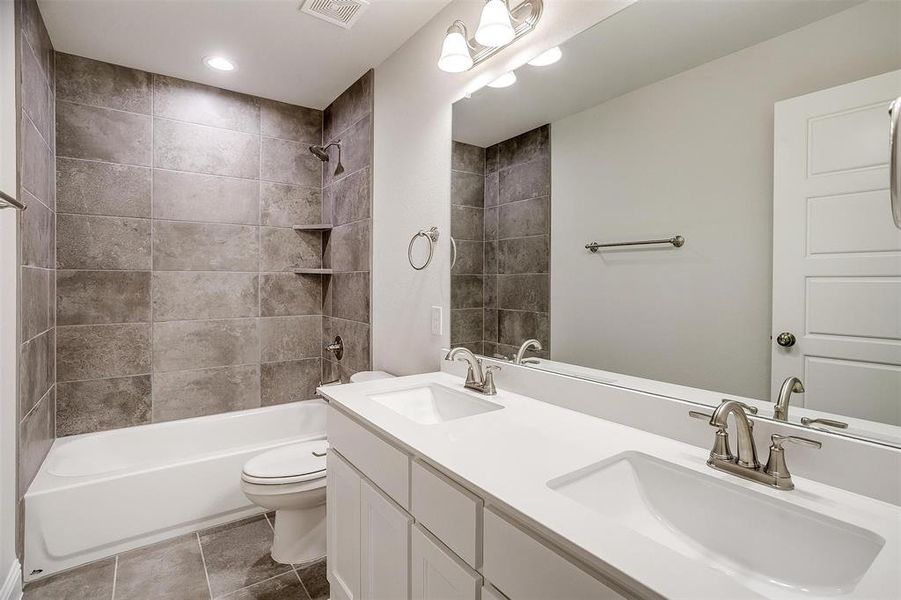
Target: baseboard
<point>12,585</point>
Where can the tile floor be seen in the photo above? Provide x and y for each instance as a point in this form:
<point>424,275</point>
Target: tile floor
<point>229,562</point>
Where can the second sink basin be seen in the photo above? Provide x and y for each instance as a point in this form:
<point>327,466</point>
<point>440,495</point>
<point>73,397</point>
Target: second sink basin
<point>773,546</point>
<point>433,403</point>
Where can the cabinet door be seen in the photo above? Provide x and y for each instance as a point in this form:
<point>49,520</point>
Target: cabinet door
<point>436,574</point>
<point>343,487</point>
<point>385,551</point>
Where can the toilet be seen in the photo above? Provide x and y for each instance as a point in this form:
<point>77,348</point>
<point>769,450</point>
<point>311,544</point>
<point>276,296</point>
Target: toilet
<point>291,481</point>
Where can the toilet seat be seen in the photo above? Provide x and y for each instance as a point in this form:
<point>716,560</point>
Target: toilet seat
<point>291,464</point>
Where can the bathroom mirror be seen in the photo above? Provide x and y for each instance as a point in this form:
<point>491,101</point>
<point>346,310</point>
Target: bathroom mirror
<point>703,217</point>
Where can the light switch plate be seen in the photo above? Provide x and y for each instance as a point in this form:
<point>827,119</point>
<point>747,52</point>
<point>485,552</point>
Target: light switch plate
<point>437,321</point>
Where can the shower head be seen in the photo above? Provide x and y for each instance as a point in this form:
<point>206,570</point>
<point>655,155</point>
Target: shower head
<point>321,152</point>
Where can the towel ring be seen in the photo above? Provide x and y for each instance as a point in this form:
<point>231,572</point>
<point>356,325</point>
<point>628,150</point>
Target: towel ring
<point>453,252</point>
<point>431,236</point>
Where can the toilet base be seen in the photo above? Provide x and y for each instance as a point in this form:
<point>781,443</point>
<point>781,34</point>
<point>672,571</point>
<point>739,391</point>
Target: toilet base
<point>299,535</point>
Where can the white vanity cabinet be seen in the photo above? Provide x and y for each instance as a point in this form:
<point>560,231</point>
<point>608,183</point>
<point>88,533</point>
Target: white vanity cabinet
<point>398,529</point>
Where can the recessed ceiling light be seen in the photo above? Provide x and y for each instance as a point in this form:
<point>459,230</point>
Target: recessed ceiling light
<point>505,80</point>
<point>548,57</point>
<point>219,63</point>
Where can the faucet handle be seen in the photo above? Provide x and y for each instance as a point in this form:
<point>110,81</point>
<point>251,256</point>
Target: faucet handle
<point>778,440</point>
<point>488,386</point>
<point>807,421</point>
<point>748,408</point>
<point>699,415</point>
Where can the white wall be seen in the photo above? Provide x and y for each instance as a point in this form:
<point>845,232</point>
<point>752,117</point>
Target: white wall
<point>412,164</point>
<point>692,154</point>
<point>8,268</point>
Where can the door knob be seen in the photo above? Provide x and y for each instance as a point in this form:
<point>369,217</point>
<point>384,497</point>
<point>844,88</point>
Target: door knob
<point>785,339</point>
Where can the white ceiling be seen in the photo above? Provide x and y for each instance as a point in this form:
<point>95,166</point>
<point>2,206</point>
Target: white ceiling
<point>646,42</point>
<point>282,53</point>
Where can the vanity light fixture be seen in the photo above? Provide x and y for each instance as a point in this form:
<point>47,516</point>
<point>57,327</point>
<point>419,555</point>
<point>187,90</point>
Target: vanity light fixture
<point>499,27</point>
<point>548,57</point>
<point>219,63</point>
<point>505,80</point>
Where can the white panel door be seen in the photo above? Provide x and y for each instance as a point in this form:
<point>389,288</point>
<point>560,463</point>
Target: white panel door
<point>343,502</point>
<point>438,575</point>
<point>836,251</point>
<point>385,550</point>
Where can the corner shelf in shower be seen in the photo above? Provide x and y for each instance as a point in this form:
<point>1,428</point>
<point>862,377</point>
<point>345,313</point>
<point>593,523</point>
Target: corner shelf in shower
<point>313,271</point>
<point>314,227</point>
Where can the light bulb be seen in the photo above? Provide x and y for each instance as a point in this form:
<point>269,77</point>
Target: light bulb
<point>495,28</point>
<point>505,80</point>
<point>455,57</point>
<point>548,57</point>
<point>219,63</point>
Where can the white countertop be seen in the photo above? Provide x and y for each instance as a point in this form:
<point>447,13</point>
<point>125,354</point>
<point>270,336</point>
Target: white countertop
<point>508,456</point>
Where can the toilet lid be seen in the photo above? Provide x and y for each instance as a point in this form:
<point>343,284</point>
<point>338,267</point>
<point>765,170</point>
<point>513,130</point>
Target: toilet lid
<point>288,464</point>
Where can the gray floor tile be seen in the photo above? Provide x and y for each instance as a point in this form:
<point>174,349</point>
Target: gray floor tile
<point>90,582</point>
<point>283,587</point>
<point>237,555</point>
<point>315,580</point>
<point>170,570</point>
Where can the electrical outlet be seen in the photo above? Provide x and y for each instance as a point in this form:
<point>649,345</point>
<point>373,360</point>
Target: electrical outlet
<point>437,321</point>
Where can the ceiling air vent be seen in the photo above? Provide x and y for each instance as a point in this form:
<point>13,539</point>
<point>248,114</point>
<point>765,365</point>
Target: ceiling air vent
<point>343,13</point>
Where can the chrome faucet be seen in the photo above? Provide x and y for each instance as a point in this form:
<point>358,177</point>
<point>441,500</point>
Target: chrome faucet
<point>745,465</point>
<point>792,384</point>
<point>475,379</point>
<point>526,346</point>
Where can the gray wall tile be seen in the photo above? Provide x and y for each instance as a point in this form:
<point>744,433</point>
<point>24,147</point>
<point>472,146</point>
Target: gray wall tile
<point>205,105</point>
<point>181,196</point>
<point>348,108</point>
<point>91,297</point>
<point>347,296</point>
<point>491,224</point>
<point>204,295</point>
<point>290,338</point>
<point>523,292</point>
<point>490,265</point>
<point>91,242</point>
<point>469,158</point>
<point>36,369</point>
<point>184,394</point>
<point>519,219</point>
<point>515,327</point>
<point>38,234</point>
<point>356,342</point>
<point>470,256</point>
<point>204,247</point>
<point>285,249</point>
<point>37,164</point>
<point>102,404</point>
<point>37,98</point>
<point>523,255</point>
<point>356,152</point>
<point>291,381</point>
<point>491,189</point>
<point>102,134</point>
<point>466,291</point>
<point>466,325</point>
<point>489,291</point>
<point>489,332</point>
<point>97,351</point>
<point>348,199</point>
<point>348,247</point>
<point>96,188</point>
<point>284,161</point>
<point>181,345</point>
<point>97,83</point>
<point>283,205</point>
<point>36,433</point>
<point>467,223</point>
<point>289,294</point>
<point>524,181</point>
<point>37,37</point>
<point>35,313</point>
<point>467,189</point>
<point>491,159</point>
<point>290,122</point>
<point>187,147</point>
<point>525,147</point>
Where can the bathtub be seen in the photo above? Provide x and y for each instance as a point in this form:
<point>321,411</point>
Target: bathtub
<point>99,494</point>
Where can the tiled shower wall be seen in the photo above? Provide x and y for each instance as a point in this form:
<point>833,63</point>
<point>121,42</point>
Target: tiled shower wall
<point>346,204</point>
<point>36,189</point>
<point>514,216</point>
<point>175,249</point>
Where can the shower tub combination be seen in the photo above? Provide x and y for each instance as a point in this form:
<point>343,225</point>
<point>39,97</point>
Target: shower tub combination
<point>99,494</point>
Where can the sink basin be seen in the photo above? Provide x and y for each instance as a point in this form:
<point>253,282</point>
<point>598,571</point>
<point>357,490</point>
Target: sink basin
<point>431,404</point>
<point>771,545</point>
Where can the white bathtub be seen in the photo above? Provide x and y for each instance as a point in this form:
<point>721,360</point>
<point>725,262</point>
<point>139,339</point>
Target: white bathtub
<point>98,494</point>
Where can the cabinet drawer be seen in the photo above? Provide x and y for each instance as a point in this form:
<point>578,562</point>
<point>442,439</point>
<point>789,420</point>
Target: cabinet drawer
<point>436,573</point>
<point>385,465</point>
<point>524,568</point>
<point>447,510</point>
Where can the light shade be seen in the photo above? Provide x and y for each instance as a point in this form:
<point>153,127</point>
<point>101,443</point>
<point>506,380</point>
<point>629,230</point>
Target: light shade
<point>495,28</point>
<point>548,57</point>
<point>455,57</point>
<point>505,80</point>
<point>219,63</point>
